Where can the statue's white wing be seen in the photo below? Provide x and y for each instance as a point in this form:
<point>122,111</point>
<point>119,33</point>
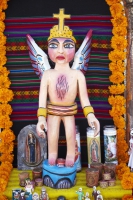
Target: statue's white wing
<point>38,58</point>
<point>82,56</point>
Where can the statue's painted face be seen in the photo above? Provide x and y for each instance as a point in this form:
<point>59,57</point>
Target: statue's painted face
<point>61,50</point>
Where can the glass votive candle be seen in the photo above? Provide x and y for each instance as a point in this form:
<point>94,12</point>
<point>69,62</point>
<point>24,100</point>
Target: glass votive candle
<point>92,177</point>
<point>98,166</point>
<point>111,168</point>
<point>103,184</point>
<point>106,176</point>
<point>112,182</point>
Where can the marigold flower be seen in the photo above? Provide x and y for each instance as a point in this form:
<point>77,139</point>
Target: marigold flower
<point>119,20</point>
<point>4,71</point>
<point>2,26</point>
<point>7,136</point>
<point>3,184</point>
<point>121,172</point>
<point>7,157</point>
<point>117,111</point>
<point>118,43</point>
<point>111,2</point>
<point>6,95</point>
<point>3,5</point>
<point>2,39</point>
<point>119,121</point>
<point>120,134</point>
<point>116,77</point>
<point>115,9</point>
<point>127,181</point>
<point>4,82</point>
<point>117,55</point>
<point>117,100</point>
<point>2,16</point>
<point>3,60</point>
<point>5,122</point>
<point>5,109</point>
<point>127,197</point>
<point>117,89</point>
<point>117,66</point>
<point>119,31</point>
<point>3,197</point>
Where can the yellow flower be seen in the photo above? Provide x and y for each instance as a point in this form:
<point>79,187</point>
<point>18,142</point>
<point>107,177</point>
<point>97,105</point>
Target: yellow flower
<point>119,31</point>
<point>119,20</point>
<point>116,100</point>
<point>117,89</point>
<point>4,71</point>
<point>6,95</point>
<point>119,121</point>
<point>115,9</point>
<point>116,77</point>
<point>5,109</point>
<point>117,55</point>
<point>117,66</point>
<point>118,43</point>
<point>4,82</point>
<point>111,2</point>
<point>117,111</point>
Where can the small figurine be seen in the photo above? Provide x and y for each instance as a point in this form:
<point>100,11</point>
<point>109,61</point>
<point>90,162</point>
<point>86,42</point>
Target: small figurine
<point>44,195</point>
<point>22,195</point>
<point>99,196</point>
<point>61,198</point>
<point>35,196</point>
<point>87,196</point>
<point>94,193</point>
<point>80,194</point>
<point>16,195</point>
<point>130,162</point>
<point>29,189</point>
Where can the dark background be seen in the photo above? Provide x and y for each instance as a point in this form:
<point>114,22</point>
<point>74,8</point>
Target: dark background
<point>30,8</point>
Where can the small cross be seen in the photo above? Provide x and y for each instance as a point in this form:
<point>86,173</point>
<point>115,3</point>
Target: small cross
<point>61,16</point>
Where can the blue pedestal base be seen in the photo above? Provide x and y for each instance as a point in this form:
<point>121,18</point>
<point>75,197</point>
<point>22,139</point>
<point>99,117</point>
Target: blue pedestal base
<point>59,177</point>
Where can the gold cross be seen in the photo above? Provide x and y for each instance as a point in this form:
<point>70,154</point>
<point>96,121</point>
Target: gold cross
<point>61,16</point>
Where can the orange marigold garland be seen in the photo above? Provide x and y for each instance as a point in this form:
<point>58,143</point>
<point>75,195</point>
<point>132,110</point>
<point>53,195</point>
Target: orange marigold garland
<point>117,100</point>
<point>6,135</point>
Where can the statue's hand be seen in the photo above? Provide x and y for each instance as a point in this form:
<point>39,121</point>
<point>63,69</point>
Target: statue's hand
<point>93,123</point>
<point>41,125</point>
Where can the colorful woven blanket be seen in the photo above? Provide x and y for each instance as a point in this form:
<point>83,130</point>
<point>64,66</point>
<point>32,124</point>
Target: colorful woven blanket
<point>25,83</point>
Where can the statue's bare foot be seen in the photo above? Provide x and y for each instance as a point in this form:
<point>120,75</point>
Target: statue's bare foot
<point>52,159</point>
<point>69,161</point>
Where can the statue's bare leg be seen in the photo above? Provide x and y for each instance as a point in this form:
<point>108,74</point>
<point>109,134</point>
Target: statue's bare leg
<point>69,123</point>
<point>53,136</point>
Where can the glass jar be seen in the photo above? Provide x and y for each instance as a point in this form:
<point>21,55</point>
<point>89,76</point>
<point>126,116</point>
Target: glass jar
<point>78,150</point>
<point>93,147</point>
<point>110,150</point>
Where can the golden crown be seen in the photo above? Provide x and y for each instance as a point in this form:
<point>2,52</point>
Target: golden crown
<point>61,30</point>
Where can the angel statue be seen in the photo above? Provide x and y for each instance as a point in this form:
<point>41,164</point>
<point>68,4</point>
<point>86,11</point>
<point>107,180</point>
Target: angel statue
<point>61,85</point>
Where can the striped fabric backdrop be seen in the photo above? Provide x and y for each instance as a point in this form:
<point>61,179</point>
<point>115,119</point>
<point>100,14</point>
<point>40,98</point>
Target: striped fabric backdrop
<point>25,83</point>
